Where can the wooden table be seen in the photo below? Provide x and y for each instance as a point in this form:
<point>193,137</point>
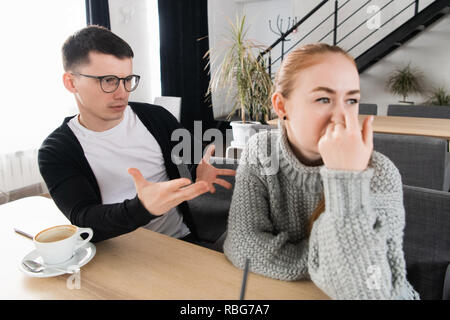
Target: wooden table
<point>138,265</point>
<point>406,125</point>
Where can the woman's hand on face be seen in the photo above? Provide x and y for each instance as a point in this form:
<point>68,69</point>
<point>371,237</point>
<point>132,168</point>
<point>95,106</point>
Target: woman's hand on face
<point>344,146</point>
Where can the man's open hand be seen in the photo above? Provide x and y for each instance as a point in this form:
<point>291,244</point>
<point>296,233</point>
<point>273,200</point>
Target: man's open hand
<point>160,197</point>
<point>209,174</point>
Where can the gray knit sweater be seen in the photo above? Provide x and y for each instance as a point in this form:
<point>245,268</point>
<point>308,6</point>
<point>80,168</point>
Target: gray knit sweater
<point>355,247</point>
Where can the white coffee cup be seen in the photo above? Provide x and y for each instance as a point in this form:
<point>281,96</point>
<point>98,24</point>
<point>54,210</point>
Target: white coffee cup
<point>58,244</point>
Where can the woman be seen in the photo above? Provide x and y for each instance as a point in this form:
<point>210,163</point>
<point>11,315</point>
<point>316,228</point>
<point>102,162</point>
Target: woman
<point>313,200</point>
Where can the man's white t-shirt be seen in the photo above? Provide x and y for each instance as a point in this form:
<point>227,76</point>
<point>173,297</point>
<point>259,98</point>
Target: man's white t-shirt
<point>128,145</point>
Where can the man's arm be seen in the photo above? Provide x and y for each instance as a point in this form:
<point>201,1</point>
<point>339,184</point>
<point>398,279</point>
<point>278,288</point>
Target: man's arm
<point>81,203</point>
<point>75,191</point>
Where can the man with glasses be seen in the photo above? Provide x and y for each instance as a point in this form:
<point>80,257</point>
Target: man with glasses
<point>110,167</point>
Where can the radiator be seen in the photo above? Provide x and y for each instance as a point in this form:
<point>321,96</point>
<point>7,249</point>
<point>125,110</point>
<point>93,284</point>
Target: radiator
<point>20,176</point>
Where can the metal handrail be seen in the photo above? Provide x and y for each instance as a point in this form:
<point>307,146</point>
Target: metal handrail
<point>365,21</point>
<point>295,26</point>
<point>314,29</point>
<point>356,11</point>
<point>337,26</point>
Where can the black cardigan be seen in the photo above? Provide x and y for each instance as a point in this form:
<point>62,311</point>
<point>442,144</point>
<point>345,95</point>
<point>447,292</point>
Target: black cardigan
<point>74,188</point>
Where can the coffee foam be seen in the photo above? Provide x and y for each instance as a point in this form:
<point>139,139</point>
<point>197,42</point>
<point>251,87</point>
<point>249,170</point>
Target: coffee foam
<point>54,234</point>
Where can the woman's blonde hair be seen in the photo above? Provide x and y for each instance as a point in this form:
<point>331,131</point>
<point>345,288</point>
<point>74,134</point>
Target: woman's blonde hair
<point>296,61</point>
<point>299,59</point>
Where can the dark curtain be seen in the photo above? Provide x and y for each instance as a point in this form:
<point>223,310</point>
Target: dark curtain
<point>97,12</point>
<point>181,24</point>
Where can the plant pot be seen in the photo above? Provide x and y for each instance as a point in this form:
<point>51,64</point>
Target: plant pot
<point>242,131</point>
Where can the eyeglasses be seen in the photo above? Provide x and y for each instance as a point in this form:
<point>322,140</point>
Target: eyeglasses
<point>110,83</point>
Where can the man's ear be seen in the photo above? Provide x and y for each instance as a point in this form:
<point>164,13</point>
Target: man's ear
<point>68,82</point>
<point>278,103</point>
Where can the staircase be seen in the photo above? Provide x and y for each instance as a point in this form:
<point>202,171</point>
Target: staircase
<point>371,47</point>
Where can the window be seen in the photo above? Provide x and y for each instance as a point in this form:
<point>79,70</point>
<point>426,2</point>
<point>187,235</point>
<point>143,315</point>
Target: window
<point>33,100</point>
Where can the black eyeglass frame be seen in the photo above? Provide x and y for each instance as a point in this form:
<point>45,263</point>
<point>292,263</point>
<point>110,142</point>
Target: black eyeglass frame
<point>100,78</point>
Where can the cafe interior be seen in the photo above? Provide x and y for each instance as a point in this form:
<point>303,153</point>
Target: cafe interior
<point>401,52</point>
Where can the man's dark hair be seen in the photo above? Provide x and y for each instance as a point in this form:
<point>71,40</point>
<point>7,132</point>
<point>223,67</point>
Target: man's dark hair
<point>77,47</point>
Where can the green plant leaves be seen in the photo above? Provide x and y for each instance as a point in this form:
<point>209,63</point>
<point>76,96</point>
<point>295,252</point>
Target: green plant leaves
<point>405,81</point>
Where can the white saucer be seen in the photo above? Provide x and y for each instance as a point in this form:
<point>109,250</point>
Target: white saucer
<point>81,257</point>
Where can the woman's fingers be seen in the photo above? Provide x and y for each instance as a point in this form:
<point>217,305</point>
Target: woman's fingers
<point>351,120</point>
<point>339,128</point>
<point>367,131</point>
<point>327,135</point>
<point>344,146</point>
<point>330,129</point>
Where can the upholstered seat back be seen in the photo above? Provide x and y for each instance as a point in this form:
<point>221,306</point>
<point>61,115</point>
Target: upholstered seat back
<point>422,161</point>
<point>427,241</point>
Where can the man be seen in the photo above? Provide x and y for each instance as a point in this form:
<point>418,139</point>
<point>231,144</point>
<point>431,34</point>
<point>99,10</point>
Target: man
<point>87,161</point>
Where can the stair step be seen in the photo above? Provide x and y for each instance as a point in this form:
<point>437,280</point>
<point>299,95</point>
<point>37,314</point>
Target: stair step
<point>401,35</point>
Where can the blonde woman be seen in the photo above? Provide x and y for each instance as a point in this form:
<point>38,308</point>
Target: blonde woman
<point>314,201</point>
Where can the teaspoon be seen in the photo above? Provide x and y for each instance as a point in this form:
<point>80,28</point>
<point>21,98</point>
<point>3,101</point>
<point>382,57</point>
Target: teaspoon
<point>36,267</point>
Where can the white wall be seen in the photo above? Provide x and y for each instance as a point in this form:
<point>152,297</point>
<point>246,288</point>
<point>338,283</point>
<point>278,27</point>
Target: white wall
<point>130,20</point>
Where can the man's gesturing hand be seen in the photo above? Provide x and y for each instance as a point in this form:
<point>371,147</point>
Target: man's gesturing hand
<point>160,197</point>
<point>209,174</point>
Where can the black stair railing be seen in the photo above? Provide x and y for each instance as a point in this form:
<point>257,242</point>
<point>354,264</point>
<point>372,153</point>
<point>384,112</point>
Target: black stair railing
<point>283,37</point>
<point>344,21</point>
<point>310,32</point>
<point>267,54</point>
<point>295,26</point>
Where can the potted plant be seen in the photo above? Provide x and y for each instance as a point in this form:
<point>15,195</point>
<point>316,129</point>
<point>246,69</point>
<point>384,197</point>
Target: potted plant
<point>439,97</point>
<point>404,82</point>
<point>245,79</point>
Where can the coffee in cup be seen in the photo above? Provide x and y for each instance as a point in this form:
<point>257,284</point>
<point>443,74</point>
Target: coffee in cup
<point>58,244</point>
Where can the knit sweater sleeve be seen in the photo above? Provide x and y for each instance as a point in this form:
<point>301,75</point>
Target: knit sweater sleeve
<point>355,249</point>
<point>251,234</point>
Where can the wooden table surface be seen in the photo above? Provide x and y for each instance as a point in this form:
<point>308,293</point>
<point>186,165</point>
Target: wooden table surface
<point>407,125</point>
<point>138,265</point>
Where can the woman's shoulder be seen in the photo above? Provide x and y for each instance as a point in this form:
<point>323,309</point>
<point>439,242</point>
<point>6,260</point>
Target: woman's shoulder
<point>386,176</point>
